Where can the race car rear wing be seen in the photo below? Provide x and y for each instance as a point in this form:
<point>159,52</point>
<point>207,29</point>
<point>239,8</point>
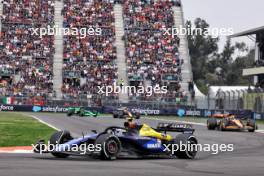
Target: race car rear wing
<point>221,116</point>
<point>175,127</point>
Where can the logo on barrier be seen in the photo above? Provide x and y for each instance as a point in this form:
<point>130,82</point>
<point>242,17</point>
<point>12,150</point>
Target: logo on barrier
<point>207,113</point>
<point>36,109</point>
<point>6,108</point>
<point>193,113</point>
<point>54,109</point>
<point>257,116</point>
<point>146,111</point>
<point>181,112</point>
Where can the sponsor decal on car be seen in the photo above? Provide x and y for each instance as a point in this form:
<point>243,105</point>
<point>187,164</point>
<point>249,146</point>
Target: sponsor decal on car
<point>154,144</point>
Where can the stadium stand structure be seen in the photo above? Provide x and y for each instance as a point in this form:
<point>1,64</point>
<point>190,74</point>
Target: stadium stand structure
<point>58,57</point>
<point>183,48</point>
<point>132,48</point>
<point>257,35</point>
<point>1,12</point>
<point>121,59</point>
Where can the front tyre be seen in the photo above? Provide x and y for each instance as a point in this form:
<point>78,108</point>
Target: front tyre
<point>110,146</point>
<point>211,123</point>
<point>190,142</point>
<point>252,124</point>
<point>60,137</point>
<point>115,115</point>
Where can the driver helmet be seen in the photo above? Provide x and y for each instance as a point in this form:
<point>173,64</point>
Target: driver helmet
<point>130,124</point>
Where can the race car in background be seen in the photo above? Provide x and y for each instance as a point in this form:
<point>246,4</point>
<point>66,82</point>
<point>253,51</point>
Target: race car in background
<point>80,111</point>
<point>230,122</point>
<point>119,142</point>
<point>123,113</point>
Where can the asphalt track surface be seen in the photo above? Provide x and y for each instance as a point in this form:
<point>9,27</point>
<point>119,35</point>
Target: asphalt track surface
<point>246,159</point>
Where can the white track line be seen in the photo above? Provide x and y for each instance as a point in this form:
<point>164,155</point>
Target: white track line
<point>260,131</point>
<point>41,121</point>
<point>17,151</point>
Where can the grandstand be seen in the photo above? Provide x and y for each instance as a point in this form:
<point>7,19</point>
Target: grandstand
<point>88,62</point>
<point>26,60</point>
<point>132,47</point>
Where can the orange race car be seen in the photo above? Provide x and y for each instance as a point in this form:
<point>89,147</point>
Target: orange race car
<point>230,122</point>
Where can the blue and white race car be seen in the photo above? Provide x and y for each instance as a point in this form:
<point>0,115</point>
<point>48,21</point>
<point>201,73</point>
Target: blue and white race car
<point>131,140</point>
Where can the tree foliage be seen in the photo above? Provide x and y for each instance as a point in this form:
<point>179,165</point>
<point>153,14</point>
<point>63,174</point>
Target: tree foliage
<point>211,67</point>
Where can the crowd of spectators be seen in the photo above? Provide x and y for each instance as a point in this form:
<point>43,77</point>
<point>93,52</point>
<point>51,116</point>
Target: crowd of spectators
<point>26,63</point>
<point>89,61</point>
<point>26,60</point>
<point>152,54</point>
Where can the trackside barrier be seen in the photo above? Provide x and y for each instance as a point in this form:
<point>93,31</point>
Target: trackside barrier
<point>182,112</point>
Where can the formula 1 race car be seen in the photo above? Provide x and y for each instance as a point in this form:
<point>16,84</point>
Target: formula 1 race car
<point>229,122</point>
<point>123,113</point>
<point>80,111</point>
<point>117,142</point>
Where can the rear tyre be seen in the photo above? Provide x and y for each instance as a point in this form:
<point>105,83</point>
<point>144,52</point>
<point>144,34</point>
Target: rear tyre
<point>60,137</point>
<point>110,146</point>
<point>211,123</point>
<point>187,140</point>
<point>115,115</point>
<point>96,114</point>
<point>69,114</point>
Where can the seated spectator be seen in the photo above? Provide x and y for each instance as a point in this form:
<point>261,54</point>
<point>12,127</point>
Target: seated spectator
<point>151,54</point>
<point>89,62</point>
<point>26,60</point>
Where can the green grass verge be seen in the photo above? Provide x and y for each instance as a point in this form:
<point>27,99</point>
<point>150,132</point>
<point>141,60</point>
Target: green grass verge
<point>17,129</point>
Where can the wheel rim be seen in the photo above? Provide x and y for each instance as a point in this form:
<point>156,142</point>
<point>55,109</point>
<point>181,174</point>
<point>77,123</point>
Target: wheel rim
<point>112,147</point>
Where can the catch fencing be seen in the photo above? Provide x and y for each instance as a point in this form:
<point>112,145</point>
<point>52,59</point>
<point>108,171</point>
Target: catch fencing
<point>247,99</point>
